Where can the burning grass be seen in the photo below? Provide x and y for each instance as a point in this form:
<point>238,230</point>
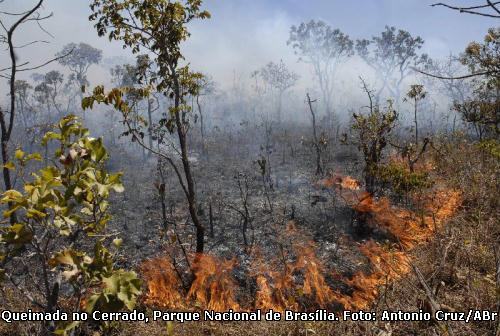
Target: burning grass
<point>297,279</point>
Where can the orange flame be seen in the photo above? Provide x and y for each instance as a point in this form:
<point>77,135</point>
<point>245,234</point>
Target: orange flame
<point>163,284</point>
<point>213,286</point>
<point>344,182</point>
<point>407,227</point>
<point>296,279</point>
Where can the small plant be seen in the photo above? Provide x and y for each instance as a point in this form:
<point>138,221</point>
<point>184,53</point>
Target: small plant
<point>62,215</point>
<point>373,130</point>
<point>402,180</point>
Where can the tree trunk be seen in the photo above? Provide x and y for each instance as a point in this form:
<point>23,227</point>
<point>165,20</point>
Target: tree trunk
<point>191,193</point>
<point>319,169</point>
<point>416,124</point>
<point>211,219</point>
<point>150,121</point>
<point>202,127</point>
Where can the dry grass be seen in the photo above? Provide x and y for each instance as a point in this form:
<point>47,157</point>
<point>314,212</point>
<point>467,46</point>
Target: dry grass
<point>460,265</point>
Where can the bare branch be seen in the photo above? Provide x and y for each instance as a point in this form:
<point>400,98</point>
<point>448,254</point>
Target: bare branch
<point>476,74</point>
<point>41,65</point>
<point>493,5</point>
<point>471,10</point>
<point>30,43</point>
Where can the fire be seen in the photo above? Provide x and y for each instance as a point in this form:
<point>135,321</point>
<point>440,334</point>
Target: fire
<point>407,227</point>
<point>295,278</point>
<point>213,286</point>
<point>387,266</point>
<point>164,288</point>
<point>344,182</point>
<point>278,290</point>
<point>274,290</point>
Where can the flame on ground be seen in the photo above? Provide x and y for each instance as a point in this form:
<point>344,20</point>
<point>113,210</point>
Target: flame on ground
<point>296,279</point>
<point>213,286</point>
<point>164,287</point>
<point>407,227</point>
<point>344,182</point>
<point>278,290</point>
<point>387,266</point>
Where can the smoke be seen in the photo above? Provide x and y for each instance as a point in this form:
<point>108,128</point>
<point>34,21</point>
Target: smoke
<point>243,36</point>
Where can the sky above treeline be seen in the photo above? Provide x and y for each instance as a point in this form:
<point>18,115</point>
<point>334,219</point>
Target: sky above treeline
<point>242,35</point>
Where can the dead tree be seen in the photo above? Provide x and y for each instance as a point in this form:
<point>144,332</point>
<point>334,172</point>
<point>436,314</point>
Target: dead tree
<point>315,141</point>
<point>243,183</point>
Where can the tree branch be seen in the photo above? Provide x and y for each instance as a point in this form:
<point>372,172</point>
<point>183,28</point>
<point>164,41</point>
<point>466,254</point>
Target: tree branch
<point>470,10</point>
<point>476,74</point>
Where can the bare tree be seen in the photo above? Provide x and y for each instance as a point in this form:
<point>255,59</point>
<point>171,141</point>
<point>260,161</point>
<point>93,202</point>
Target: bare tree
<point>206,87</point>
<point>244,183</point>
<point>450,67</point>
<point>317,142</point>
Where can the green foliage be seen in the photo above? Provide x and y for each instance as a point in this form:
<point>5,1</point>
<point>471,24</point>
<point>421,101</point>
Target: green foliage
<point>63,206</point>
<point>401,179</point>
<point>158,26</point>
<point>482,109</point>
<point>155,25</point>
<point>373,130</point>
<point>484,57</point>
<point>492,147</point>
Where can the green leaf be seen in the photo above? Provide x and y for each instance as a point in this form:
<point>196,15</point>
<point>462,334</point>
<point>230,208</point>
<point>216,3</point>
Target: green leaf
<point>19,154</point>
<point>117,242</point>
<point>11,196</point>
<point>34,156</point>
<point>17,234</point>
<point>9,165</point>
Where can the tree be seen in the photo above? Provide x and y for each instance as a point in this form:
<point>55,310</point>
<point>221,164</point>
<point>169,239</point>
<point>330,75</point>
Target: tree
<point>392,56</point>
<point>416,94</point>
<point>207,86</point>
<point>325,48</point>
<point>131,76</point>
<point>372,131</point>
<point>63,207</point>
<point>411,151</point>
<point>482,109</point>
<point>7,118</point>
<point>23,92</point>
<point>279,78</point>
<point>450,67</point>
<point>159,27</point>
<point>47,91</point>
<point>318,142</point>
<point>80,57</point>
